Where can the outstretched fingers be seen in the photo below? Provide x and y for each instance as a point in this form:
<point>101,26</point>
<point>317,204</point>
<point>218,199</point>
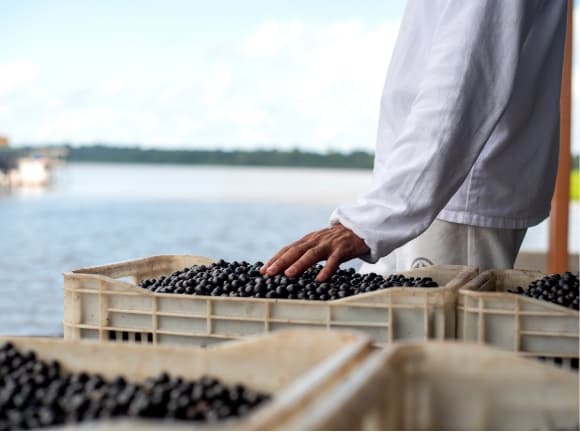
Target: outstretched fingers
<point>272,260</point>
<point>332,264</point>
<point>286,258</point>
<point>308,259</point>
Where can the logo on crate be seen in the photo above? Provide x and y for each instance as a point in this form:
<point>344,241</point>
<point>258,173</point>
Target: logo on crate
<point>421,262</point>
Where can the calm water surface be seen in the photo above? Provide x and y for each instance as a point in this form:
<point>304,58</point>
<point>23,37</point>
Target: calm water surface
<point>97,213</point>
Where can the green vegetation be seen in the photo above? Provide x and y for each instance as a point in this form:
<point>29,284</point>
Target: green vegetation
<point>575,185</point>
<point>294,158</point>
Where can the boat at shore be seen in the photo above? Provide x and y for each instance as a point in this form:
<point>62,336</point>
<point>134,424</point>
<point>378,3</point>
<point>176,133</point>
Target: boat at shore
<point>32,171</point>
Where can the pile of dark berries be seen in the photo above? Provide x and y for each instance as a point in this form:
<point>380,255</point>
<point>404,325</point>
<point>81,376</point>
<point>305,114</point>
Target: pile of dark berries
<point>242,279</point>
<point>36,393</point>
<point>561,289</point>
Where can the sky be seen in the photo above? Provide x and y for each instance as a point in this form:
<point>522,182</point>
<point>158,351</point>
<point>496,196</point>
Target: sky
<point>197,74</point>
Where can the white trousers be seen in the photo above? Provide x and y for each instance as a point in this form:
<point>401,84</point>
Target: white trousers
<point>451,243</point>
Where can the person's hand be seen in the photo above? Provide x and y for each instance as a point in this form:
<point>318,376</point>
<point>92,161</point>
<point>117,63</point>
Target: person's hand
<point>335,245</point>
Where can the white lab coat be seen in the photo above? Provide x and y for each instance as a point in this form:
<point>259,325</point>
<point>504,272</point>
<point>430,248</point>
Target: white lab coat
<point>469,121</point>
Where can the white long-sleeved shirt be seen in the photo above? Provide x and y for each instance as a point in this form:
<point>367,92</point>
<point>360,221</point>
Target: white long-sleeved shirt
<point>469,121</point>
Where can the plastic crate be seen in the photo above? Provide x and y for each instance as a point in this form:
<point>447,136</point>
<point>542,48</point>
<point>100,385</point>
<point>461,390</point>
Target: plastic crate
<point>488,314</point>
<point>295,367</point>
<point>105,303</point>
<point>448,386</point>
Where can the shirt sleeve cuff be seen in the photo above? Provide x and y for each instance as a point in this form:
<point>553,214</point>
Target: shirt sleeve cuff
<point>372,256</point>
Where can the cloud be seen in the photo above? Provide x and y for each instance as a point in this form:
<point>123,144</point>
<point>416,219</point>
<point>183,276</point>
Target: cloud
<point>113,86</point>
<point>320,90</point>
<point>216,87</point>
<point>80,122</point>
<point>16,75</point>
<point>283,84</point>
<point>286,83</point>
<point>270,38</point>
<point>243,118</point>
<point>310,83</point>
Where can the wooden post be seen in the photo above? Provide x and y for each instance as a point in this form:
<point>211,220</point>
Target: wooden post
<point>559,217</point>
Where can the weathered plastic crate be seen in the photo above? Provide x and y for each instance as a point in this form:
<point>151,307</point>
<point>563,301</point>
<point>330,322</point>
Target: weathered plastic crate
<point>448,386</point>
<point>295,366</point>
<point>105,303</point>
<point>486,313</point>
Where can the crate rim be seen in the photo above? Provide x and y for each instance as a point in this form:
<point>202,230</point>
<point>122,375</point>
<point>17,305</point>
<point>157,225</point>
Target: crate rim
<point>91,273</point>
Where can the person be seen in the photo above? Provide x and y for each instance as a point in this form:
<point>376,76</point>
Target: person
<point>467,146</point>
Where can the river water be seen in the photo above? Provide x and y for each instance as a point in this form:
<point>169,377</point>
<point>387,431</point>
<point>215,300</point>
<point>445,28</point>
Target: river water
<point>101,213</point>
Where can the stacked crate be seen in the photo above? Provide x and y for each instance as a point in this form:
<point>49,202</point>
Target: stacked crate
<point>488,313</point>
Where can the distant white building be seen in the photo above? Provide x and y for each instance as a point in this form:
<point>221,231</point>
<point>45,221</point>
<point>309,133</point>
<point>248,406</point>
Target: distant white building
<point>29,172</point>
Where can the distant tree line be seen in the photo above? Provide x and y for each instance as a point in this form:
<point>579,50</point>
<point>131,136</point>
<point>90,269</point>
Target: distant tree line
<point>297,158</point>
